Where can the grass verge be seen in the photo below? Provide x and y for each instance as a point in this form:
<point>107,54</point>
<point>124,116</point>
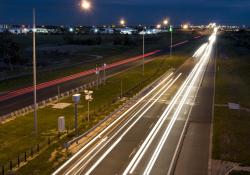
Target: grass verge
<point>231,127</point>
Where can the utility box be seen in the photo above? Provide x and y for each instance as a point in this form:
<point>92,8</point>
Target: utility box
<point>61,124</point>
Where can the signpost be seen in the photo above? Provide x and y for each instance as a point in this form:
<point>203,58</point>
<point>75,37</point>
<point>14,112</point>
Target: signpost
<point>88,98</point>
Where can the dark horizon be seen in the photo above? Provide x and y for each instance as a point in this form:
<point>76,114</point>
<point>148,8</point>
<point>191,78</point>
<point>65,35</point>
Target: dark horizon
<point>52,12</point>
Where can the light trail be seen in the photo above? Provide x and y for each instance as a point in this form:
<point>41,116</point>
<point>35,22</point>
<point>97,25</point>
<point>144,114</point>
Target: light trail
<point>199,73</point>
<point>128,129</point>
<point>138,156</point>
<point>119,118</point>
<point>200,51</point>
<point>135,161</point>
<point>170,82</point>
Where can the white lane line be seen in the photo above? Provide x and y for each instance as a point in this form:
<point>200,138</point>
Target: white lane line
<point>99,135</point>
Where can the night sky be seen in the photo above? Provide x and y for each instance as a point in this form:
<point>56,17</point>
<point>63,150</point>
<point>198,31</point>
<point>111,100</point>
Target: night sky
<point>67,12</point>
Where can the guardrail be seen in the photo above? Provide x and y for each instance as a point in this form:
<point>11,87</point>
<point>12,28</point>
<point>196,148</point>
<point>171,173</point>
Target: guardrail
<point>44,103</point>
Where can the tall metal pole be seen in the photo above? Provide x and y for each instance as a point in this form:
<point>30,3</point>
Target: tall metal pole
<point>104,65</point>
<point>121,89</point>
<point>34,71</point>
<point>171,46</point>
<point>143,52</point>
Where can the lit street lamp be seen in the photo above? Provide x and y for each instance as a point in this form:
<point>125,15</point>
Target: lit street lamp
<point>171,45</point>
<point>34,71</point>
<point>86,5</point>
<point>158,26</point>
<point>165,22</point>
<point>143,52</point>
<point>88,98</point>
<point>122,22</point>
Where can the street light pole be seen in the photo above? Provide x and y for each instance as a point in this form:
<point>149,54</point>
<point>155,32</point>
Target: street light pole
<point>34,71</point>
<point>104,73</point>
<point>171,45</point>
<point>143,53</point>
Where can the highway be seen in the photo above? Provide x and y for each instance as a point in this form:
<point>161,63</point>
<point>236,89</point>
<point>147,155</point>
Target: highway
<point>20,98</point>
<point>147,138</point>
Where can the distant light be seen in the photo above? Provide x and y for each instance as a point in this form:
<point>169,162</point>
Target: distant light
<point>71,29</point>
<point>86,5</point>
<point>158,26</point>
<point>185,26</point>
<point>165,22</point>
<point>122,22</point>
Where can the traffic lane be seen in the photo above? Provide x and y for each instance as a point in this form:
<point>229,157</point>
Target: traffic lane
<point>194,154</point>
<point>25,100</point>
<point>112,156</point>
<point>132,112</point>
<point>124,150</point>
<point>165,157</point>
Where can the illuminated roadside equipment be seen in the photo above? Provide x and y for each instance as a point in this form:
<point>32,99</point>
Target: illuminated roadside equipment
<point>88,98</point>
<point>76,99</point>
<point>171,44</point>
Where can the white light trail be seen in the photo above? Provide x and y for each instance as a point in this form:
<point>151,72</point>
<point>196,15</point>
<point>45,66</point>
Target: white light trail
<point>199,73</point>
<point>138,156</point>
<point>111,125</point>
<point>200,51</point>
<point>128,129</point>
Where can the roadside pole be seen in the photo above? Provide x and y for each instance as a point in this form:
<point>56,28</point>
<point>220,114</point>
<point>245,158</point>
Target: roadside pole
<point>171,45</point>
<point>104,69</point>
<point>143,53</point>
<point>121,88</point>
<point>34,71</point>
<point>97,76</point>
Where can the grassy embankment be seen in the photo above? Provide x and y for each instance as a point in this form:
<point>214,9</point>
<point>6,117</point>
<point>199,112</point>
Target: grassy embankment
<point>232,127</point>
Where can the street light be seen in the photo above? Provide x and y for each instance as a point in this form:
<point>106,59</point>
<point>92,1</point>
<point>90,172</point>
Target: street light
<point>34,71</point>
<point>76,99</point>
<point>165,22</point>
<point>86,5</point>
<point>122,22</point>
<point>171,44</point>
<point>88,98</point>
<point>158,26</point>
<point>143,52</point>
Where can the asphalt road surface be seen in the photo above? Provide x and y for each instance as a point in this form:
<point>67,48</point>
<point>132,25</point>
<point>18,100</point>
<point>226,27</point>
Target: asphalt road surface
<point>146,139</point>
